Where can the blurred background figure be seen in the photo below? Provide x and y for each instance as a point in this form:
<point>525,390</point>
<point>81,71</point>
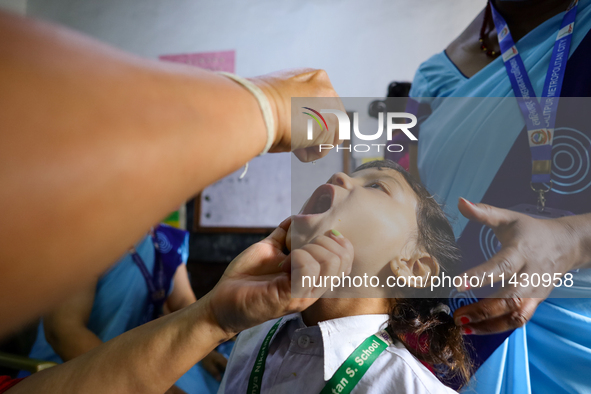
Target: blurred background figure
<point>148,282</point>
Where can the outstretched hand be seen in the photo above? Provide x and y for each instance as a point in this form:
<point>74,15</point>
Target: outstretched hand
<point>256,287</point>
<point>529,246</point>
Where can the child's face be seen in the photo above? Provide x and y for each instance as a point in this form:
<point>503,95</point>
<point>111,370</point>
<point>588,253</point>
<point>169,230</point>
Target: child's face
<point>374,208</point>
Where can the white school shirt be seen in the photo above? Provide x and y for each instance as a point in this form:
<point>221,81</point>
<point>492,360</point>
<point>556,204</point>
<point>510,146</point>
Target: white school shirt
<point>301,359</point>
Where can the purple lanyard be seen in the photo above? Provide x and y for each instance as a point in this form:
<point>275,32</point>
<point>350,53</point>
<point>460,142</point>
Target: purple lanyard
<point>154,283</point>
<point>540,118</point>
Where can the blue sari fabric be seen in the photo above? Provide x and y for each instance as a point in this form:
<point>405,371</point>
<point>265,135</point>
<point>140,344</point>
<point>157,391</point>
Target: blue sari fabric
<point>478,149</point>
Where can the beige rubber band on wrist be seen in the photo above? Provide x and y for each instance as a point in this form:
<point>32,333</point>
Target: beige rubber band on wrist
<point>263,104</point>
<point>265,109</point>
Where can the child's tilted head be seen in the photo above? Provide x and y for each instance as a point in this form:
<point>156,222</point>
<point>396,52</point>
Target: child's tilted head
<point>394,224</point>
<point>397,229</point>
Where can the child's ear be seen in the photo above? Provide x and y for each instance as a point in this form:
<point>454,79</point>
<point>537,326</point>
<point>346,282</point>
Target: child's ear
<point>420,264</point>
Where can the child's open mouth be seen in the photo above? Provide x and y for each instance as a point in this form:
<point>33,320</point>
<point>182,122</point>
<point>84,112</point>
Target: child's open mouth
<point>321,200</point>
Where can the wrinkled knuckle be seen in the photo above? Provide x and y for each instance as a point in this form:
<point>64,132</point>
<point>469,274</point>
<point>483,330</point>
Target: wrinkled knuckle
<point>484,312</point>
<point>506,265</point>
<point>321,74</point>
<point>518,318</point>
<point>487,209</point>
<point>514,303</point>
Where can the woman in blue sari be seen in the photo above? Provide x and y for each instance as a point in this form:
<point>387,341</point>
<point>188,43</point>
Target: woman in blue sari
<point>473,144</point>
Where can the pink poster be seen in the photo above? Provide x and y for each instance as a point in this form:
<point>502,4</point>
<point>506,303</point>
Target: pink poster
<point>214,61</point>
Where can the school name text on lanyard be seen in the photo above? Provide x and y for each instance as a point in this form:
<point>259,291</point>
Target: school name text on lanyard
<point>344,379</point>
<point>540,118</point>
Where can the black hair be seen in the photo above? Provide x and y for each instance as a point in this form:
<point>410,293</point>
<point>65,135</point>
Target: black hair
<point>421,324</point>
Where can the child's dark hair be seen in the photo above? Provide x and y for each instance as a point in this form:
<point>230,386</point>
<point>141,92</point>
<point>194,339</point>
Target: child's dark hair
<point>428,332</point>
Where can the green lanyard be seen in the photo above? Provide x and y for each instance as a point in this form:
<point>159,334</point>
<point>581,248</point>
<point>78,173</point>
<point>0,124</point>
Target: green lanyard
<point>256,376</point>
<point>344,379</point>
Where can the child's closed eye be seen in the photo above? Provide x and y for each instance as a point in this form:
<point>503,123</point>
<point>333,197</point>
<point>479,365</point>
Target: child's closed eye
<point>378,185</point>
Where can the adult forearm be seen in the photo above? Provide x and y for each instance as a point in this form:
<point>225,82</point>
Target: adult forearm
<point>148,359</point>
<point>97,144</point>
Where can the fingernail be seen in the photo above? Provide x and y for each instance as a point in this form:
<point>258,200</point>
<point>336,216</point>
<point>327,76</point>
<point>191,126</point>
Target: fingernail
<point>464,320</point>
<point>469,202</point>
<point>336,233</point>
<point>466,331</point>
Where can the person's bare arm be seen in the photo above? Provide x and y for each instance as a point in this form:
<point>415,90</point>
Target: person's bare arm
<point>66,327</point>
<point>182,295</point>
<point>256,287</point>
<point>97,145</point>
<point>148,359</point>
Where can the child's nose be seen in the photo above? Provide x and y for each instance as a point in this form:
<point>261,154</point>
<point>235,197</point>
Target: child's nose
<point>341,179</point>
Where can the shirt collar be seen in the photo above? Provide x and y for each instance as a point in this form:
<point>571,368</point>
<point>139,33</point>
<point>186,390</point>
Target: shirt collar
<point>340,337</point>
